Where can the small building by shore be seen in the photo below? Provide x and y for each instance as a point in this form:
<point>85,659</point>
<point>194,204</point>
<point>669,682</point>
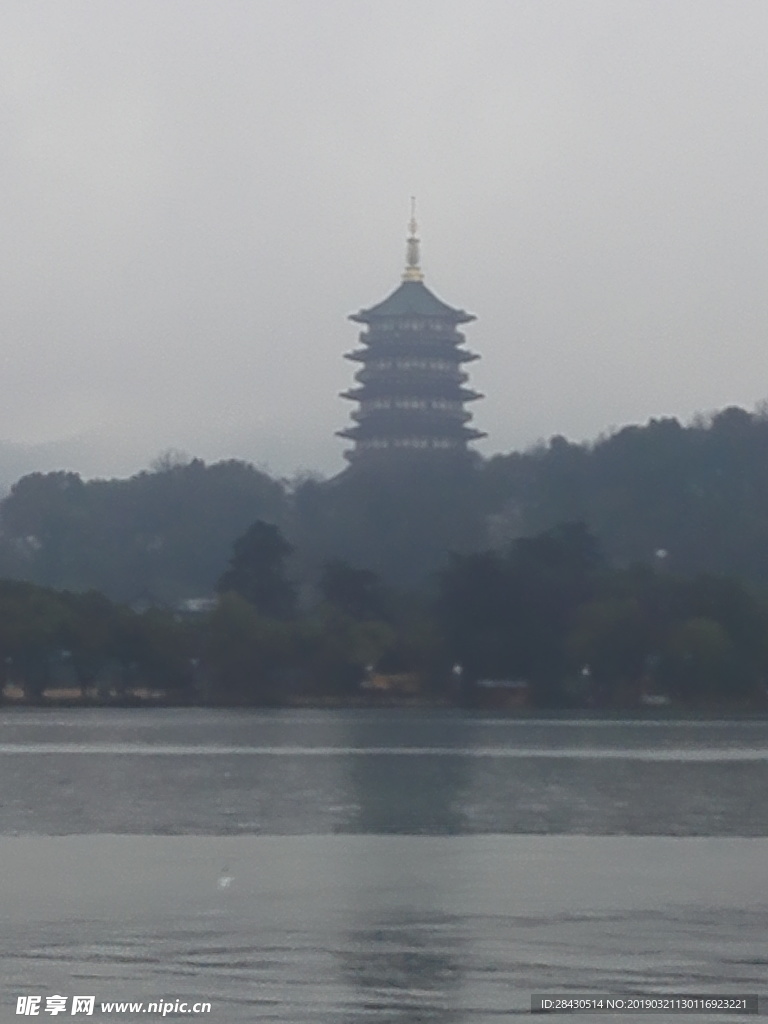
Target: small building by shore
<point>503,694</point>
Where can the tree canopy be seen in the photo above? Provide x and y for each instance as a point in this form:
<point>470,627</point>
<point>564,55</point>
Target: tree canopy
<point>693,497</point>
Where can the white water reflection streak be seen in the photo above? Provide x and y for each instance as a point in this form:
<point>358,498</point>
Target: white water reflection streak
<point>690,754</point>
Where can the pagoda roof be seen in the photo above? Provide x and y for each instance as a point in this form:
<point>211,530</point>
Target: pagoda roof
<point>412,298</point>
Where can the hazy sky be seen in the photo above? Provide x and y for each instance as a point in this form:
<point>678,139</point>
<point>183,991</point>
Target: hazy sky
<point>197,192</point>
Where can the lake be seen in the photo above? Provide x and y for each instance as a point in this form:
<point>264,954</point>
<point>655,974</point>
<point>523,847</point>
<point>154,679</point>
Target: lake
<point>377,866</point>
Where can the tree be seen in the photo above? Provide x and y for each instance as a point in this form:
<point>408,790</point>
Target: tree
<point>166,533</point>
<point>257,571</point>
<point>397,517</point>
<point>336,648</point>
<point>33,623</point>
<point>509,615</point>
<point>611,637</point>
<point>246,655</point>
<point>163,649</point>
<point>697,659</point>
<point>356,592</point>
<point>90,635</point>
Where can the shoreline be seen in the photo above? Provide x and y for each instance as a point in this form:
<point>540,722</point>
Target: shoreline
<point>669,714</point>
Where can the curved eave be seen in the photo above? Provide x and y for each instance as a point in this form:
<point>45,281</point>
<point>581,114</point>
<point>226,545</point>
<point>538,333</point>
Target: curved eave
<point>427,417</point>
<point>370,316</point>
<point>415,351</point>
<point>412,299</point>
<point>369,391</point>
<point>371,426</point>
<point>364,432</point>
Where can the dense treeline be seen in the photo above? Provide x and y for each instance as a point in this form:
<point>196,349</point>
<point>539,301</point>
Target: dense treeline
<point>548,610</point>
<point>153,539</point>
<point>51,639</point>
<point>409,566</point>
<point>697,493</point>
<point>551,610</point>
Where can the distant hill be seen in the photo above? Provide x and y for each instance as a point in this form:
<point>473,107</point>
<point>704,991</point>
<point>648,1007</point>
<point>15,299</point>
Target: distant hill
<point>18,459</point>
<point>694,498</point>
<point>156,537</point>
<point>689,499</point>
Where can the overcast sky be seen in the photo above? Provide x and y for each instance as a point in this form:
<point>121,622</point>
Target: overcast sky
<point>197,192</point>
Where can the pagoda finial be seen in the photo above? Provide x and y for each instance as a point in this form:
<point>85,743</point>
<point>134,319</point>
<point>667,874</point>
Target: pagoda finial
<point>412,267</point>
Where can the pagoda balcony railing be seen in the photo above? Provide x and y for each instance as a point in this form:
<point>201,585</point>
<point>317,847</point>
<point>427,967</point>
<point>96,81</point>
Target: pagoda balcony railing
<point>426,330</point>
<point>384,447</point>
<point>384,418</point>
<point>411,338</point>
<point>414,378</point>
<point>367,433</point>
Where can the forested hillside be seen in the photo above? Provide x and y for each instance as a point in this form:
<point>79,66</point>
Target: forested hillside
<point>695,496</point>
<point>155,538</point>
<point>689,498</point>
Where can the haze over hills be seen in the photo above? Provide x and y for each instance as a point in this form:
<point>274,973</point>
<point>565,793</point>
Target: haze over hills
<point>699,493</point>
<point>94,457</point>
<point>18,459</point>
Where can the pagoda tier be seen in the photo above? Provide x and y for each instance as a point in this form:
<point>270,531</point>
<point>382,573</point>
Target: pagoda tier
<point>411,393</point>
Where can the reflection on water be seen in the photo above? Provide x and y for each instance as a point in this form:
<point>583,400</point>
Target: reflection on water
<point>407,967</point>
<point>278,773</point>
<point>349,867</point>
<point>407,794</point>
<point>408,928</point>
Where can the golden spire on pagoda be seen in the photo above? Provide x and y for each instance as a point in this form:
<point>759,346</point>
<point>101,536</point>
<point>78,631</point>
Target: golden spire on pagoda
<point>412,267</point>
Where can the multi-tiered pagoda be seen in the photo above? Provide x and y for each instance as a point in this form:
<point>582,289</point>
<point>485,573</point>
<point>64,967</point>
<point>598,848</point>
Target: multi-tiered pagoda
<point>412,389</point>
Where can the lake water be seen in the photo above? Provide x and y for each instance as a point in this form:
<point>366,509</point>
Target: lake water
<point>377,866</point>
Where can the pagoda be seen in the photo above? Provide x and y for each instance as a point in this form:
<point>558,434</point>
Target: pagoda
<point>412,391</point>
